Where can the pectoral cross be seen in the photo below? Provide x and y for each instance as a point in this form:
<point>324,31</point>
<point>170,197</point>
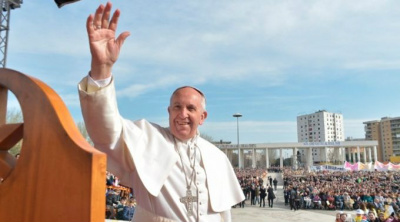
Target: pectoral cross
<point>188,201</point>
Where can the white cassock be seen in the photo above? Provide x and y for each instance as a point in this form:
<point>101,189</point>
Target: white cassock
<point>145,156</point>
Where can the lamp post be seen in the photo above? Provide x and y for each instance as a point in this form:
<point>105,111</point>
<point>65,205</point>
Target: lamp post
<point>237,115</point>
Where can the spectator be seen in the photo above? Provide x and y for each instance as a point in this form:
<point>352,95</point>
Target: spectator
<point>129,210</point>
<point>372,217</point>
<point>112,198</point>
<point>271,197</point>
<point>263,193</point>
<point>257,195</point>
<point>120,208</point>
<point>275,181</point>
<point>360,216</point>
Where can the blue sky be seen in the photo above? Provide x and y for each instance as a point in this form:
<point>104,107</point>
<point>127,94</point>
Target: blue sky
<point>269,60</point>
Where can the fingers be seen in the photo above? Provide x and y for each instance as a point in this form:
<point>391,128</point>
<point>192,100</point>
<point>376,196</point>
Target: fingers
<point>89,24</point>
<point>121,38</point>
<point>114,20</point>
<point>98,15</point>
<point>106,16</point>
<point>101,18</point>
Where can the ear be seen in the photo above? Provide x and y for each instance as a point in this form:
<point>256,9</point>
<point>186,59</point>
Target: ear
<point>168,108</point>
<point>203,117</point>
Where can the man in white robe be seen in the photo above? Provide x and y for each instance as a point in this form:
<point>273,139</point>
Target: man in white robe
<point>176,175</point>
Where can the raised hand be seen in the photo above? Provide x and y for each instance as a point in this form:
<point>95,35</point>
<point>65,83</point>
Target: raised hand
<point>104,47</point>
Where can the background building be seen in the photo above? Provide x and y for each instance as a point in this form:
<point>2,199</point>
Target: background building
<point>387,132</point>
<point>321,126</point>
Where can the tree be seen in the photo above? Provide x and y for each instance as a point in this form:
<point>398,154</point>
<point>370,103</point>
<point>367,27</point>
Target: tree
<point>82,128</point>
<point>272,155</point>
<point>15,116</point>
<point>207,137</point>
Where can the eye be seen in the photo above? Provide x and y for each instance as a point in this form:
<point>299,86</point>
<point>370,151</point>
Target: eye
<point>191,108</point>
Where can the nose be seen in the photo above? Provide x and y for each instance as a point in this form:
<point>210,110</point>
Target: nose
<point>183,112</point>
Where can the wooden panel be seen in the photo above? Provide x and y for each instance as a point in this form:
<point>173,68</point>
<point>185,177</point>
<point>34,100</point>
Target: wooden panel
<point>10,134</point>
<point>59,176</point>
<point>3,104</point>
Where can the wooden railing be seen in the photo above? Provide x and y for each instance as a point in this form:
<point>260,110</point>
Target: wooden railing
<point>59,176</point>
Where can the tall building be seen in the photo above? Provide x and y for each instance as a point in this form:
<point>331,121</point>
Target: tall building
<point>373,132</point>
<point>321,126</point>
<point>387,132</point>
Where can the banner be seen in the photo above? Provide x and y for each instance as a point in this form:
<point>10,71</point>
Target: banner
<point>394,167</point>
<point>327,167</point>
<point>365,167</point>
<point>381,166</point>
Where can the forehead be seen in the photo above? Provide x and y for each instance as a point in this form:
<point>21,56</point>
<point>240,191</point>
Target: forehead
<point>187,93</point>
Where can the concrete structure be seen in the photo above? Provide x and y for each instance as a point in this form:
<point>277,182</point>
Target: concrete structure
<point>321,126</point>
<point>259,155</point>
<point>387,132</point>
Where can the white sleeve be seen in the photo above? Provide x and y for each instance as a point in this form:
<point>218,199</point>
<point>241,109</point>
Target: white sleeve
<point>100,82</point>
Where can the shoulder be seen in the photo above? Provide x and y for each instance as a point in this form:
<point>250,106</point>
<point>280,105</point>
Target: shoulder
<point>149,128</point>
<point>209,146</point>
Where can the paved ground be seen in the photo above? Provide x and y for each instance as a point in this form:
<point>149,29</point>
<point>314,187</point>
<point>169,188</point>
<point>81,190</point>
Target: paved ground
<point>280,213</point>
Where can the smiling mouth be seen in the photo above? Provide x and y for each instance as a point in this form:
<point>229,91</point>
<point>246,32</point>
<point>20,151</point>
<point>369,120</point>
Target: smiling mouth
<point>183,123</point>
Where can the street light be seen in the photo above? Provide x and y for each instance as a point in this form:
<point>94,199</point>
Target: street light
<point>237,115</point>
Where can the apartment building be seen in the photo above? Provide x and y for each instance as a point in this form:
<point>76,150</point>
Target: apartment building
<point>373,132</point>
<point>387,132</point>
<point>321,126</point>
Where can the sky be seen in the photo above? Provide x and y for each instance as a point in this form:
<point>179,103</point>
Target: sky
<point>269,60</point>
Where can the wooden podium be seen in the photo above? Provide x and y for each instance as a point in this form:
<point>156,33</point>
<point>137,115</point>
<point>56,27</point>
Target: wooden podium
<point>59,176</point>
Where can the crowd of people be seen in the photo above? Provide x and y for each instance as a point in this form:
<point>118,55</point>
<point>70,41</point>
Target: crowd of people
<point>254,188</point>
<point>120,200</point>
<point>372,194</point>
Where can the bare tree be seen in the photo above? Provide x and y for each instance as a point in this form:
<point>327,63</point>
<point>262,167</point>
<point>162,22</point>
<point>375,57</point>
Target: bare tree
<point>15,116</point>
<point>207,137</point>
<point>82,128</point>
<point>272,155</point>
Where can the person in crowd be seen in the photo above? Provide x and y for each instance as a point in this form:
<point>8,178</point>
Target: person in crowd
<point>270,196</point>
<point>112,199</point>
<point>129,210</point>
<point>343,217</point>
<point>263,194</point>
<point>339,200</point>
<point>120,208</point>
<point>381,217</point>
<point>347,201</point>
<point>244,190</point>
<point>286,194</point>
<point>363,206</point>
<point>307,199</point>
<point>176,174</point>
<point>253,195</point>
<point>372,217</point>
<point>109,179</point>
<point>285,183</point>
<point>360,216</point>
<point>275,182</point>
<point>371,209</point>
<point>317,201</point>
<point>257,195</point>
<point>292,198</point>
